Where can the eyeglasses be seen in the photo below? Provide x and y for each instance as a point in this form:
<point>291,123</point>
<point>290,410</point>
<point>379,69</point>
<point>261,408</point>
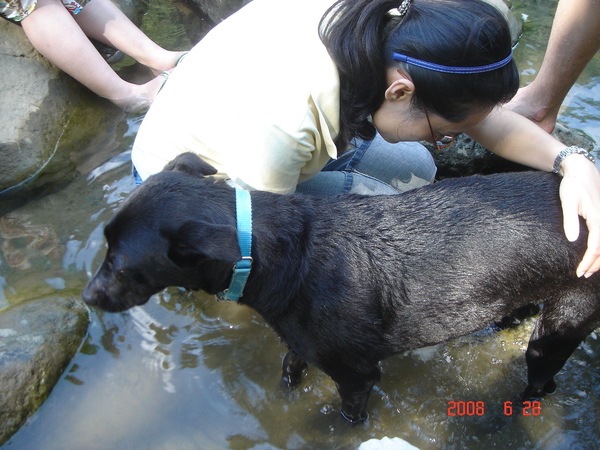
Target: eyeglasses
<point>445,141</point>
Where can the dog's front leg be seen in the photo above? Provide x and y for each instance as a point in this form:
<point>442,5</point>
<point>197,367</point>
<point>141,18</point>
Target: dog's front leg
<point>355,390</point>
<point>293,366</point>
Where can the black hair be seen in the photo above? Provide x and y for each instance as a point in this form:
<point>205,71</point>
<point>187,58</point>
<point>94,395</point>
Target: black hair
<point>361,37</point>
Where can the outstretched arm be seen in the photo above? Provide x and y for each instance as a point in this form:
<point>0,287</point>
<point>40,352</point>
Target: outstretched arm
<point>513,137</point>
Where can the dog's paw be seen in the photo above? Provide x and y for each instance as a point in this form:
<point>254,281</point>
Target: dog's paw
<point>550,387</point>
<point>292,370</point>
<point>355,418</point>
<point>533,393</point>
<point>290,381</point>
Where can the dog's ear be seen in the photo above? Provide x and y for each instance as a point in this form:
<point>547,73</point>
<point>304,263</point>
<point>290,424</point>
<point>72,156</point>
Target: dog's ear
<point>196,238</point>
<point>191,164</point>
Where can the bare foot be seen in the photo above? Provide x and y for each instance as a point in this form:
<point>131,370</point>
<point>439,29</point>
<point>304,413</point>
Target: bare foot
<point>167,63</point>
<point>142,95</point>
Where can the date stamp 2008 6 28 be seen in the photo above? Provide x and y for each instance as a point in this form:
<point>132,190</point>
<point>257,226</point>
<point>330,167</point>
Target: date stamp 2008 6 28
<point>527,408</point>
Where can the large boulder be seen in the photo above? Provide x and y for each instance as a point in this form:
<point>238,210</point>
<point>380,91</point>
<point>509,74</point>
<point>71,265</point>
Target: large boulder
<point>35,107</point>
<point>47,118</point>
<point>217,10</point>
<point>37,341</point>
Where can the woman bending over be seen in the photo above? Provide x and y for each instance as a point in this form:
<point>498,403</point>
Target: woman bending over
<point>303,95</point>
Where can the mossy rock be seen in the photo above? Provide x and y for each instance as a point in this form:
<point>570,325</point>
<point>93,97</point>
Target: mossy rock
<point>37,341</point>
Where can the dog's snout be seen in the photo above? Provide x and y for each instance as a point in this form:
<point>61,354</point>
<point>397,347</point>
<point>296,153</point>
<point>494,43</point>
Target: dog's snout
<point>96,295</point>
<point>114,294</point>
<point>91,294</point>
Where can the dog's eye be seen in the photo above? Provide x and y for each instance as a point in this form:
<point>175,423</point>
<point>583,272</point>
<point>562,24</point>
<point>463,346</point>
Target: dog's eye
<point>138,277</point>
<point>124,274</point>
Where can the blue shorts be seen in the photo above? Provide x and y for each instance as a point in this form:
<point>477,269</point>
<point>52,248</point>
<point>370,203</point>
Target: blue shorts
<point>17,10</point>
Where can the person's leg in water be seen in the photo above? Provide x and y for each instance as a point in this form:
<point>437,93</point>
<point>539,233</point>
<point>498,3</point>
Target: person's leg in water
<point>56,34</point>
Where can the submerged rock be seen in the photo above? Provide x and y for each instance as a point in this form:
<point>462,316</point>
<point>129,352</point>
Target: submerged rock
<point>37,341</point>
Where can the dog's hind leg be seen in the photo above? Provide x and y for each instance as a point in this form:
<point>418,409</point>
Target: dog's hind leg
<point>562,326</point>
<point>293,366</point>
<point>546,355</point>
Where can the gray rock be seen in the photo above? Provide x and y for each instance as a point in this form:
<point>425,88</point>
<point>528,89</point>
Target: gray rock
<point>467,157</point>
<point>37,341</point>
<point>217,10</point>
<point>33,107</point>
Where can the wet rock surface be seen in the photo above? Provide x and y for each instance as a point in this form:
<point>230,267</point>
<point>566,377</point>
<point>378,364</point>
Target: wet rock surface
<point>34,109</point>
<point>218,10</point>
<point>37,341</point>
<point>466,157</point>
<point>49,121</point>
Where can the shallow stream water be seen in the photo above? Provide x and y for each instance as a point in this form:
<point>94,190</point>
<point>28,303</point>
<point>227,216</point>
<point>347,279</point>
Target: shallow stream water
<point>187,372</point>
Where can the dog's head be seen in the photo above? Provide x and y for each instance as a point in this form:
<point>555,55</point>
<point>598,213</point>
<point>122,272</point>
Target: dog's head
<point>176,229</point>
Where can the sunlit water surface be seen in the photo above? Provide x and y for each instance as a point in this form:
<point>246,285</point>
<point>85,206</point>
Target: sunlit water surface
<point>187,372</point>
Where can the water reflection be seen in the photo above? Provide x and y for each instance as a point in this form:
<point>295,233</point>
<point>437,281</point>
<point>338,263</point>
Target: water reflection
<point>581,109</point>
<point>185,371</point>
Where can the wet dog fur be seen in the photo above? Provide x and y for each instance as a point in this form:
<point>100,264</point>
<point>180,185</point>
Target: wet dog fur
<point>350,280</point>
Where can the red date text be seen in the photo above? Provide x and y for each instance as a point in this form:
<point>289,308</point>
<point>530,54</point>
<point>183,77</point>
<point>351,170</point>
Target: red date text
<point>527,408</point>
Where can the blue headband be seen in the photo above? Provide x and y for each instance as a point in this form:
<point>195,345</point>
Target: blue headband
<point>449,69</point>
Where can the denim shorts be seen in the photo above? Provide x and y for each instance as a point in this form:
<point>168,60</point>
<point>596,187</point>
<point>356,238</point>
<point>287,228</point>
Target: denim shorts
<point>17,10</point>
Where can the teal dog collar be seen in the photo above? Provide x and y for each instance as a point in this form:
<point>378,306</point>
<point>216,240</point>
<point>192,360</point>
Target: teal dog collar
<point>241,269</point>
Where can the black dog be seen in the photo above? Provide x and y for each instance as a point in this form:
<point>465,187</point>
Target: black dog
<point>350,280</point>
